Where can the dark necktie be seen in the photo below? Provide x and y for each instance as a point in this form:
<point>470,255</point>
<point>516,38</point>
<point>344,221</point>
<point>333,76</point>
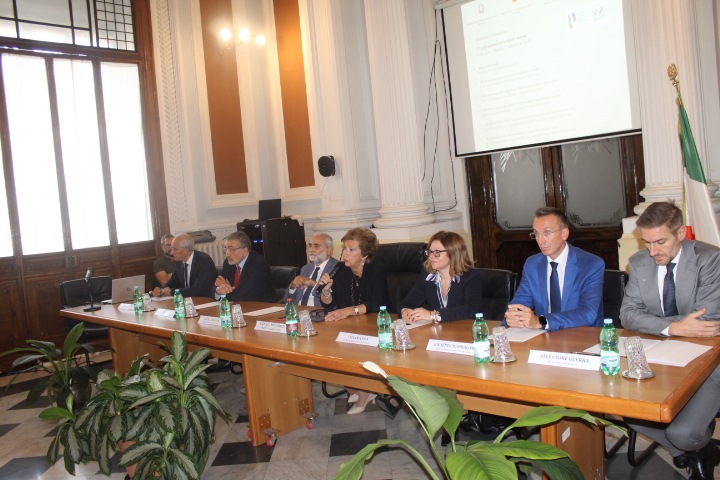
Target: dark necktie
<point>309,289</point>
<point>555,297</point>
<point>186,275</point>
<point>236,282</point>
<point>669,305</point>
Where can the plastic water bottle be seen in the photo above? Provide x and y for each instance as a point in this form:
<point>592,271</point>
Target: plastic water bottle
<point>179,302</point>
<point>609,351</point>
<point>225,317</point>
<point>137,300</point>
<point>291,320</point>
<point>385,335</point>
<point>481,339</point>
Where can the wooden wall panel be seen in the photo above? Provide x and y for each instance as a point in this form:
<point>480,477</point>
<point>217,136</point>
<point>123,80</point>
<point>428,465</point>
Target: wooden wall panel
<point>294,97</point>
<point>223,94</point>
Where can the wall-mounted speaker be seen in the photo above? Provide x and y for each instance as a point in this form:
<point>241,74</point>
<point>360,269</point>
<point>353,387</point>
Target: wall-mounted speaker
<point>326,165</point>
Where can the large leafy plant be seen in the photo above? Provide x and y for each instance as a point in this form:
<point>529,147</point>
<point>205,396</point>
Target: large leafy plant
<point>65,377</point>
<point>437,408</point>
<point>168,414</point>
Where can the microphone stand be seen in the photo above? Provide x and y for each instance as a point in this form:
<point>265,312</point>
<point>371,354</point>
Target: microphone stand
<point>91,308</point>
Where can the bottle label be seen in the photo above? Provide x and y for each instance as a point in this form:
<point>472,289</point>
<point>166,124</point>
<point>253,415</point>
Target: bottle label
<point>385,340</point>
<point>481,349</point>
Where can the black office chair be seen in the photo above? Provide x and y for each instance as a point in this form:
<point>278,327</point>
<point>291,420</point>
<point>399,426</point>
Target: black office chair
<point>613,294</point>
<point>74,293</point>
<point>282,275</point>
<point>498,288</point>
<point>404,263</point>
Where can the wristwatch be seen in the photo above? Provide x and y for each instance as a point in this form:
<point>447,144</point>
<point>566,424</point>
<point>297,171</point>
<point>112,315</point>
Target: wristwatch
<point>357,311</point>
<point>435,316</point>
<point>543,322</point>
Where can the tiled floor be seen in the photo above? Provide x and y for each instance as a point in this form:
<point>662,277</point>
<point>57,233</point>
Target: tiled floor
<point>301,454</point>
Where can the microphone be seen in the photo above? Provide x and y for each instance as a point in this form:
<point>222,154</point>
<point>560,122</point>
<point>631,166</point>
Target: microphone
<point>88,275</point>
<point>88,278</point>
<point>332,273</point>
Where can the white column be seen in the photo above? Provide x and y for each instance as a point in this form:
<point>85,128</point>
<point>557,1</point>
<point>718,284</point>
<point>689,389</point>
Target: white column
<point>399,141</point>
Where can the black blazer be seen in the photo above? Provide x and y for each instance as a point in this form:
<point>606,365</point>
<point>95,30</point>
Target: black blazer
<point>373,288</point>
<point>464,299</point>
<point>255,280</point>
<point>202,276</point>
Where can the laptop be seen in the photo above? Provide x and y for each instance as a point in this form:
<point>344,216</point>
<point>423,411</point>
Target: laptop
<point>269,209</point>
<point>122,288</point>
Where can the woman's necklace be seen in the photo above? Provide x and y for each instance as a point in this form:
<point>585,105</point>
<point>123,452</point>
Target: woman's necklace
<point>355,287</point>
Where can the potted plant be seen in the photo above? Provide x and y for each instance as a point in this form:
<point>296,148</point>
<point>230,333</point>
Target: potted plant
<point>65,377</point>
<point>437,408</point>
<point>166,414</point>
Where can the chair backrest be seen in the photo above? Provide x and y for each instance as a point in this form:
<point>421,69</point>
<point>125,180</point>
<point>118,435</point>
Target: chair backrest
<point>498,288</point>
<point>613,294</point>
<point>403,262</point>
<point>74,293</point>
<point>282,275</point>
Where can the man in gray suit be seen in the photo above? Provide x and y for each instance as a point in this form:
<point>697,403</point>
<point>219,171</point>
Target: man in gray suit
<point>320,250</point>
<point>673,291</point>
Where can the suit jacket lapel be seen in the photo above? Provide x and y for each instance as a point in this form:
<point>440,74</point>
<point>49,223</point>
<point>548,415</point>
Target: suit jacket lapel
<point>571,271</point>
<point>686,278</point>
<point>542,282</point>
<point>647,276</point>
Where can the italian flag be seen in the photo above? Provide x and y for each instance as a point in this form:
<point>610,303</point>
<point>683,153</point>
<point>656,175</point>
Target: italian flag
<point>700,216</point>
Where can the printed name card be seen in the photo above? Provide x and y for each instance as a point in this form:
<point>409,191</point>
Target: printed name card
<point>165,312</point>
<point>126,307</point>
<point>368,340</point>
<point>273,327</point>
<point>567,360</point>
<point>208,320</point>
<point>458,348</point>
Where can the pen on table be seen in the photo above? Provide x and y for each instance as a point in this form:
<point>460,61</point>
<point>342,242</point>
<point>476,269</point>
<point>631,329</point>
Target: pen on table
<point>586,353</point>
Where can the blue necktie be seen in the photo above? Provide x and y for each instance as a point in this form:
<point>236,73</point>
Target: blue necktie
<point>555,297</point>
<point>309,289</point>
<point>669,305</point>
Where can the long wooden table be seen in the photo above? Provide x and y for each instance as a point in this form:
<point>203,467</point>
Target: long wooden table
<point>278,370</point>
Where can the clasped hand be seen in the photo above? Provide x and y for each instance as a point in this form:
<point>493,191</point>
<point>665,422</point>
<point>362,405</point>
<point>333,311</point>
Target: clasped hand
<point>222,286</point>
<point>520,316</point>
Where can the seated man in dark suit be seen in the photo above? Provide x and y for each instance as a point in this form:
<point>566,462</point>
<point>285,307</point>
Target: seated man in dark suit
<point>302,288</point>
<point>245,274</point>
<point>194,273</point>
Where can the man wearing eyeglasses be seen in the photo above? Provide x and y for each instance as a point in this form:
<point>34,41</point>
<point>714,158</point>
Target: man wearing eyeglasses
<point>245,273</point>
<point>194,272</point>
<point>164,265</point>
<point>561,287</point>
<point>302,288</point>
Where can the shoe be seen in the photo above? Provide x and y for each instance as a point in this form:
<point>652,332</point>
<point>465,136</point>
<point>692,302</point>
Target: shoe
<point>703,462</point>
<point>360,408</point>
<point>494,424</point>
<point>681,461</point>
<point>353,398</point>
<point>390,404</point>
<point>470,422</point>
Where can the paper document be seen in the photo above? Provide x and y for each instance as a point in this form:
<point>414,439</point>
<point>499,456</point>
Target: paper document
<point>206,305</point>
<point>265,311</point>
<point>420,323</point>
<point>676,353</point>
<point>522,334</point>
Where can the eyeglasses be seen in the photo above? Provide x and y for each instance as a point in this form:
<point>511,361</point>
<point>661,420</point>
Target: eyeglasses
<point>545,234</point>
<point>167,245</point>
<point>232,249</point>
<point>434,253</point>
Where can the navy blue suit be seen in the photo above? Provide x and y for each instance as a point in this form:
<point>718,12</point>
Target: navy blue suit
<point>581,292</point>
<point>464,299</point>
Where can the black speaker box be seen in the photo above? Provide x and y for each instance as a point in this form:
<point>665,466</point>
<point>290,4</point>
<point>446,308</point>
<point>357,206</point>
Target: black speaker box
<point>280,240</point>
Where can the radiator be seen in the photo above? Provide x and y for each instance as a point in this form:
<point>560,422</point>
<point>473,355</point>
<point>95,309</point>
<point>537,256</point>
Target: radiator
<point>214,249</point>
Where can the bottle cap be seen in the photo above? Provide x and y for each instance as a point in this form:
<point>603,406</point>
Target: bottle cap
<point>608,321</point>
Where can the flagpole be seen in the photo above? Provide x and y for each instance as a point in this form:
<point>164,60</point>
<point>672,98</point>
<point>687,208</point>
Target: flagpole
<point>672,73</point>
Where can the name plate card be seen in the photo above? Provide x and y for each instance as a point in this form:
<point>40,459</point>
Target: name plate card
<point>208,320</point>
<point>273,327</point>
<point>567,360</point>
<point>126,307</point>
<point>367,340</point>
<point>165,312</point>
<point>457,348</point>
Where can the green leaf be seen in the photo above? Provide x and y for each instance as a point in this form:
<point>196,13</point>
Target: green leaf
<point>561,469</point>
<point>185,463</point>
<point>55,414</point>
<point>139,450</point>
<point>165,417</point>
<point>353,469</point>
<point>520,449</point>
<point>178,349</point>
<point>481,465</point>
<point>70,345</point>
<point>431,406</point>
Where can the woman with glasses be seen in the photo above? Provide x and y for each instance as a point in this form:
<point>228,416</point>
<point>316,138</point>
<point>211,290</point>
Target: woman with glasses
<point>359,287</point>
<point>451,288</point>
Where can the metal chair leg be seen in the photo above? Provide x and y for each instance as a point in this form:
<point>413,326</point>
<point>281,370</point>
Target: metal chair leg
<point>331,395</point>
<point>632,458</point>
